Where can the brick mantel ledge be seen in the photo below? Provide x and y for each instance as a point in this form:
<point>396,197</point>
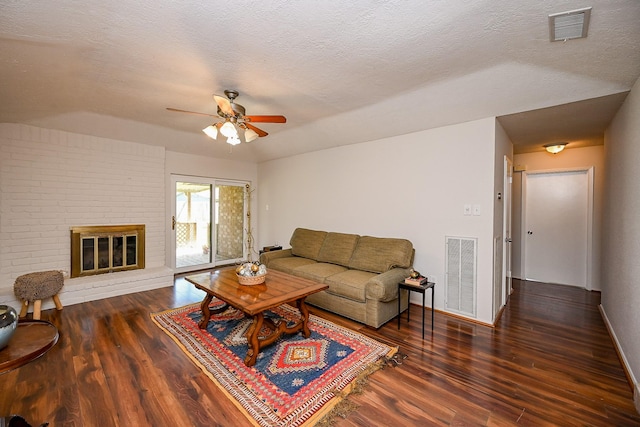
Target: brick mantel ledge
<point>91,288</point>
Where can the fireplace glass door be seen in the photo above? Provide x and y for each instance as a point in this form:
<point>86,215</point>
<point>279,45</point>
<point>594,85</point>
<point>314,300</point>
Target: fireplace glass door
<point>208,223</point>
<point>114,252</point>
<point>102,249</point>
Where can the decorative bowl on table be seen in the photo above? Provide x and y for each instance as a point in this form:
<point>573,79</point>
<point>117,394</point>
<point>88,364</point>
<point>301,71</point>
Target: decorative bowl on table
<point>8,324</point>
<point>251,273</point>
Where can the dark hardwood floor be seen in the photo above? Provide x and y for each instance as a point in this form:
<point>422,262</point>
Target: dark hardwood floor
<point>549,361</point>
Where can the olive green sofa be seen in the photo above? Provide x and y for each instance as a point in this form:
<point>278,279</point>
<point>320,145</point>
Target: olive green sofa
<point>362,272</point>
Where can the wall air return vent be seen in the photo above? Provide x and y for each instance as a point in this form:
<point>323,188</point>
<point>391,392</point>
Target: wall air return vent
<point>461,275</point>
<point>565,26</point>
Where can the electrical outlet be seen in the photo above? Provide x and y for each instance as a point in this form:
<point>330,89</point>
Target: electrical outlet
<point>476,210</point>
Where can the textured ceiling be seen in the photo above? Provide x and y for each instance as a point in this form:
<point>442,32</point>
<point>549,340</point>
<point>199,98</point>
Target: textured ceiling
<point>341,72</point>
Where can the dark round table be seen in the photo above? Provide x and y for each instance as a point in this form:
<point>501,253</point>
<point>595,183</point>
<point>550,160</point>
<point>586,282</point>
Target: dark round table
<point>32,339</point>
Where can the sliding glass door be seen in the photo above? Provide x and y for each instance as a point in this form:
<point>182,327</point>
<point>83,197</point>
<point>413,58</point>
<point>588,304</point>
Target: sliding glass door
<point>229,221</point>
<point>208,222</point>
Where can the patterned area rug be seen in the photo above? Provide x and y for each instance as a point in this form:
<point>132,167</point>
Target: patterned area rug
<point>295,382</point>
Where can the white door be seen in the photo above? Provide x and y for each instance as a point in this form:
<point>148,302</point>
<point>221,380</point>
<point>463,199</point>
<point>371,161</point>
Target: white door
<point>557,224</point>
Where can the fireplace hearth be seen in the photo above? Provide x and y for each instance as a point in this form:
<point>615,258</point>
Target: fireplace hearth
<point>106,249</point>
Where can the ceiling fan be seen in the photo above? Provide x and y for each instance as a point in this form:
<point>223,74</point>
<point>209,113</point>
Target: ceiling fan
<point>236,126</point>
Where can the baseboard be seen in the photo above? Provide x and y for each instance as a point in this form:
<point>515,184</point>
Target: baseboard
<point>625,363</point>
<point>458,316</point>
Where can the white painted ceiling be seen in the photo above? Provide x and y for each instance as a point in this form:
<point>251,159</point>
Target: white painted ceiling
<point>341,72</point>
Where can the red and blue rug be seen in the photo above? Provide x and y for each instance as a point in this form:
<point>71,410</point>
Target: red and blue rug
<point>295,382</point>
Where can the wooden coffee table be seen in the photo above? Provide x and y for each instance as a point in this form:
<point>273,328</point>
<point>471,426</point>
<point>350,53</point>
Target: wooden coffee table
<point>279,288</point>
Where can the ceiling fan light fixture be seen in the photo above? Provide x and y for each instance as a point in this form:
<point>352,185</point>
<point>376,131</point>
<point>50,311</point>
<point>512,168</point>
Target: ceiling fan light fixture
<point>229,130</point>
<point>235,123</point>
<point>233,140</point>
<point>250,135</point>
<point>211,131</point>
<point>556,147</point>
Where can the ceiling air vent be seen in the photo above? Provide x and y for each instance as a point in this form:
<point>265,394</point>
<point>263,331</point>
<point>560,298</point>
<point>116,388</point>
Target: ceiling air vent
<point>565,26</point>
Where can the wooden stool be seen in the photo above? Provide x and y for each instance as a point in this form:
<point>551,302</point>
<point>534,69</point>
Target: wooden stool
<point>36,287</point>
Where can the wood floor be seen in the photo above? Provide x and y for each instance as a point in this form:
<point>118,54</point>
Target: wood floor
<point>549,361</point>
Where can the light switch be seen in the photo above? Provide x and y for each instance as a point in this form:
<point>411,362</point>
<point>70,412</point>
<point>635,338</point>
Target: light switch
<point>467,209</point>
<point>476,210</point>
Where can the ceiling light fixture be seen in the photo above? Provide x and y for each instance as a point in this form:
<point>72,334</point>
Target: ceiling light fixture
<point>228,129</point>
<point>250,135</point>
<point>211,131</point>
<point>556,147</point>
<point>233,140</point>
<point>573,24</point>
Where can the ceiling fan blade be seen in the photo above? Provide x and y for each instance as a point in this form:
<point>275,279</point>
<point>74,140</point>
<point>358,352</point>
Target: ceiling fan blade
<point>176,110</point>
<point>260,132</point>
<point>266,119</point>
<point>224,105</point>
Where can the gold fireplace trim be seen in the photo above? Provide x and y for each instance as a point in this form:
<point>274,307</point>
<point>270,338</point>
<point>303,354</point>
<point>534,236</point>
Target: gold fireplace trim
<point>110,232</point>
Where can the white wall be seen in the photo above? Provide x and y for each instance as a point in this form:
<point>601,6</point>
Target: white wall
<point>208,167</point>
<point>411,186</point>
<point>570,158</point>
<point>621,236</point>
<point>52,180</point>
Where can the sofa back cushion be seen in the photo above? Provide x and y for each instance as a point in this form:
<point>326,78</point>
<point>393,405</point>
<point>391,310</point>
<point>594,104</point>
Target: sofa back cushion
<point>338,248</point>
<point>380,254</point>
<point>307,243</point>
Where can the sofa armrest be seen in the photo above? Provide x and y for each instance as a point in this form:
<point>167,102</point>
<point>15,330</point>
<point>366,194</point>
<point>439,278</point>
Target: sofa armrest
<point>267,257</point>
<point>384,286</point>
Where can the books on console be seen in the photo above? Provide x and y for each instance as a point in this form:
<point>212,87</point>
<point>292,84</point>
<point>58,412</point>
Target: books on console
<point>417,281</point>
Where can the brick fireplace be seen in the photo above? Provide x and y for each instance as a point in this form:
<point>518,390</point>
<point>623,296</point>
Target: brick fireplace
<point>53,181</point>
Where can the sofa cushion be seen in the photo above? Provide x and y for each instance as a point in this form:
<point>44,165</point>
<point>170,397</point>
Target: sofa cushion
<point>318,271</point>
<point>338,248</point>
<point>378,254</point>
<point>307,243</point>
<point>289,264</point>
<point>349,284</point>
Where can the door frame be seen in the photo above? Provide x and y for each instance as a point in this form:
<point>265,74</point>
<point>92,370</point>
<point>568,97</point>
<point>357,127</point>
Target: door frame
<point>507,230</point>
<point>523,219</point>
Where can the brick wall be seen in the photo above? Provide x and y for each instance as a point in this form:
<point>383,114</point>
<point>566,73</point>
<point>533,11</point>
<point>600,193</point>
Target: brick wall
<point>51,180</point>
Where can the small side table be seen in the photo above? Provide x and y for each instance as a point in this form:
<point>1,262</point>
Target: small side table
<point>423,290</point>
<point>31,340</point>
<point>270,249</point>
